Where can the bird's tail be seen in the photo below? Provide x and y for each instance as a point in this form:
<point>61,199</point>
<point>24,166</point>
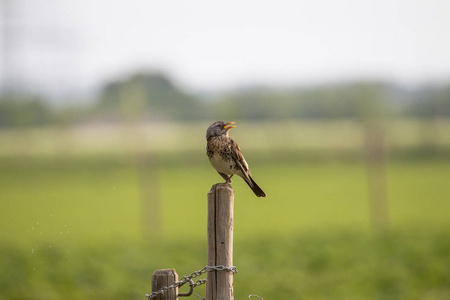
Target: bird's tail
<point>255,188</point>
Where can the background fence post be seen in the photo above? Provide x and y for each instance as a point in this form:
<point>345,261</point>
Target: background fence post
<point>220,241</point>
<point>162,278</point>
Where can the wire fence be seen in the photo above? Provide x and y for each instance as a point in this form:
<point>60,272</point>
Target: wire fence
<point>189,279</point>
<point>192,284</point>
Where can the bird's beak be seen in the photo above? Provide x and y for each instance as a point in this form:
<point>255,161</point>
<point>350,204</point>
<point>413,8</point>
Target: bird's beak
<point>228,125</point>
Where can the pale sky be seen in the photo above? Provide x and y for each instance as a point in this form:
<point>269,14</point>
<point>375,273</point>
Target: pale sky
<point>214,45</point>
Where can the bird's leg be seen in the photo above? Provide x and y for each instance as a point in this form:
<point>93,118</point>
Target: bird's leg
<point>226,177</point>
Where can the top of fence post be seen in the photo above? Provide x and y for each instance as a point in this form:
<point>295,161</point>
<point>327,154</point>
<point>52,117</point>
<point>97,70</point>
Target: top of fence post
<point>164,278</point>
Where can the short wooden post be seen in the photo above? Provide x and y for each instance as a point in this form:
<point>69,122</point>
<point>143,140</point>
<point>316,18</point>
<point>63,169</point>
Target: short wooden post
<point>220,241</point>
<point>162,278</point>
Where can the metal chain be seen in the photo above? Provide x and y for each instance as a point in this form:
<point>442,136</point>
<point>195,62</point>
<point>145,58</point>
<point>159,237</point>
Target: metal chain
<point>186,279</point>
<point>199,282</point>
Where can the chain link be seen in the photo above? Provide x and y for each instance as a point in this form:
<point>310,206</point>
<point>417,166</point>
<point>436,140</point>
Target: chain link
<point>186,279</point>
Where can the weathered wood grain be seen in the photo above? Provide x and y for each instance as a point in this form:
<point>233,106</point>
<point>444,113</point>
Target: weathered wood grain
<point>220,241</point>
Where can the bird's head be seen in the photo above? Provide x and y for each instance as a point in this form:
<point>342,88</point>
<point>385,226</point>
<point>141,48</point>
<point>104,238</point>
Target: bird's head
<point>219,128</point>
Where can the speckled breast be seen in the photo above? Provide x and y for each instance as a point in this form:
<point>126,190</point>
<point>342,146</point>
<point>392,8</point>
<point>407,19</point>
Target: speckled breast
<point>219,155</point>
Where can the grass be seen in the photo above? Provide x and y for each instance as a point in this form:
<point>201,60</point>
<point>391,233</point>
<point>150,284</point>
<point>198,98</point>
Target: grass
<point>97,198</point>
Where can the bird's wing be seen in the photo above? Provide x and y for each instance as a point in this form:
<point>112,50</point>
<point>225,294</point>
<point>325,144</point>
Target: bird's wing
<point>237,156</point>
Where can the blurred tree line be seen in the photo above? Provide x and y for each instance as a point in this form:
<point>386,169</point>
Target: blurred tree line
<point>24,111</point>
<point>154,96</point>
<point>146,96</point>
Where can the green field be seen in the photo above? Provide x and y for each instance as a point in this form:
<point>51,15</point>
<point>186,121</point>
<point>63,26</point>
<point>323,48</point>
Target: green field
<point>96,226</point>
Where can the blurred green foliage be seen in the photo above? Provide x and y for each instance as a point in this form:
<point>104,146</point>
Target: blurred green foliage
<point>337,265</point>
<point>24,111</point>
<point>154,96</point>
<point>146,95</point>
<point>345,101</point>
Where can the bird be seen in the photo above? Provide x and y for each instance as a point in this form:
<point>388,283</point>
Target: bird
<point>226,157</point>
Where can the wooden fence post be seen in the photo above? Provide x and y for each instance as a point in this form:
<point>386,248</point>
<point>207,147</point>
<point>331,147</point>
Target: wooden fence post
<point>219,284</point>
<point>163,278</point>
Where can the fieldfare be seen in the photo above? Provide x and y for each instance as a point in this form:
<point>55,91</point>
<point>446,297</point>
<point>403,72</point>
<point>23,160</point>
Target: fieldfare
<point>226,156</point>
